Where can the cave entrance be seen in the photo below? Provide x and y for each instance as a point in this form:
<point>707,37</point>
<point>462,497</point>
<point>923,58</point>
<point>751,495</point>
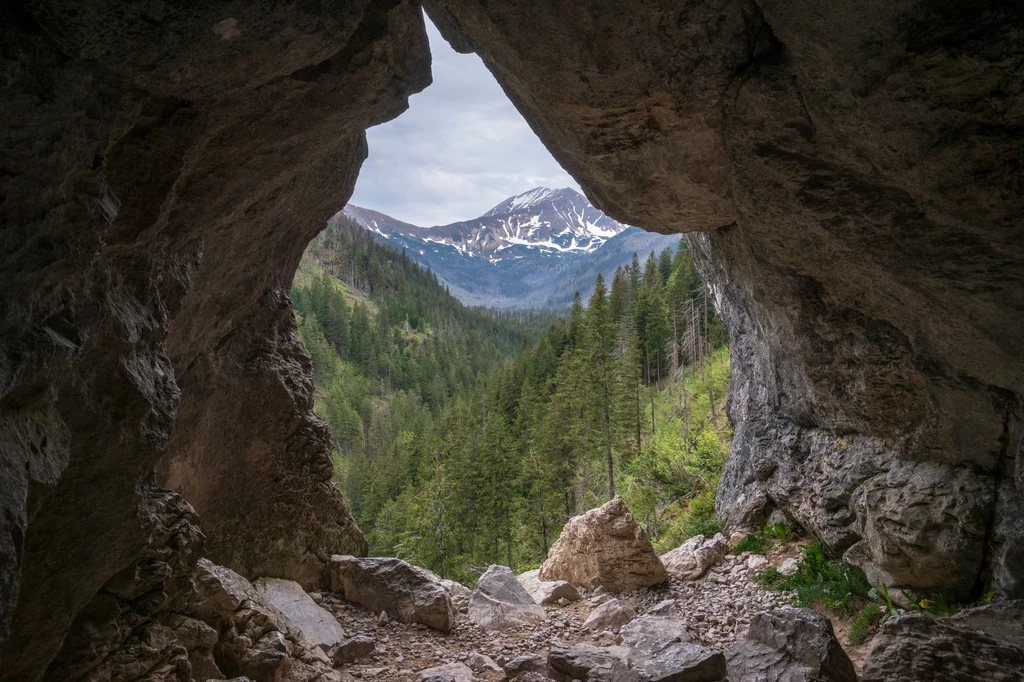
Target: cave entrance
<point>473,321</point>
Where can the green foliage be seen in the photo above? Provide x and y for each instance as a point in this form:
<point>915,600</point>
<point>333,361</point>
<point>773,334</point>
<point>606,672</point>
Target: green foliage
<point>863,623</point>
<point>820,581</point>
<point>468,437</point>
<point>756,543</point>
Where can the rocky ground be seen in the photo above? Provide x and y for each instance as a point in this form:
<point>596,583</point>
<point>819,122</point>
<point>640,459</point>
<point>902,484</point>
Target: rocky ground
<point>716,609</point>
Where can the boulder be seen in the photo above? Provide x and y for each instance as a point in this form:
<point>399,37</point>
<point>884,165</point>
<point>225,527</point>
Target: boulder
<point>401,591</point>
<point>590,663</point>
<point>315,622</point>
<point>500,602</point>
<point>756,563</point>
<point>663,651</point>
<point>450,672</point>
<point>546,592</point>
<point>485,668</point>
<point>1003,620</point>
<point>920,647</point>
<point>604,547</point>
<point>693,558</point>
<point>257,640</point>
<point>611,616</point>
<point>790,645</point>
<point>672,609</point>
<point>519,667</point>
<point>353,649</point>
<point>789,566</point>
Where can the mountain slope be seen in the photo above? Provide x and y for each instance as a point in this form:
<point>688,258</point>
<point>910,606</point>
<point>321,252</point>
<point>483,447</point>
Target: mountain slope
<point>533,250</point>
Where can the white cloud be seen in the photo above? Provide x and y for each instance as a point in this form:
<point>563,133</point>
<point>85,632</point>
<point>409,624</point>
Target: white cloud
<point>460,149</point>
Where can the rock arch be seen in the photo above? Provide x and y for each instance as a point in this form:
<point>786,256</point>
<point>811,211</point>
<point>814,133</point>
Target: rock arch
<point>853,179</point>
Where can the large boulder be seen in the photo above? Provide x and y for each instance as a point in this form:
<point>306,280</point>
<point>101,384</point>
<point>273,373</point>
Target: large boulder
<point>546,592</point>
<point>604,547</point>
<point>790,645</point>
<point>290,599</point>
<point>611,615</point>
<point>663,651</point>
<point>588,663</point>
<point>920,647</point>
<point>500,602</point>
<point>406,593</point>
<point>693,558</point>
<point>256,639</point>
<point>449,672</point>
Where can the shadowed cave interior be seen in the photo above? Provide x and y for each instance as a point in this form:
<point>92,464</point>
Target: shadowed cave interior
<point>849,180</point>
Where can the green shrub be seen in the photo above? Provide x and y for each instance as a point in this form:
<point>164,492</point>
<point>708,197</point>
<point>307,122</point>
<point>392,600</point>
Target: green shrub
<point>820,581</point>
<point>863,623</point>
<point>700,518</point>
<point>756,543</point>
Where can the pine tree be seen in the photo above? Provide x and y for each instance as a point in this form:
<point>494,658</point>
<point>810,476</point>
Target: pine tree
<point>600,376</point>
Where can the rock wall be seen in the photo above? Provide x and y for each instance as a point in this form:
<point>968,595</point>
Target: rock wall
<point>161,170</point>
<point>854,175</point>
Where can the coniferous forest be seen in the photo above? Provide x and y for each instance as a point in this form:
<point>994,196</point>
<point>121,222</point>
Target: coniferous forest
<point>465,437</point>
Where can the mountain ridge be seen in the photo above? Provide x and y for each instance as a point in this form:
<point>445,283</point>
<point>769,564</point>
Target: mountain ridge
<point>534,249</point>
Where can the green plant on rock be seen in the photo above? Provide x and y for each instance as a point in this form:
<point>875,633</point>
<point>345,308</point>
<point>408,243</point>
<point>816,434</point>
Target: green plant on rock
<point>755,543</point>
<point>820,581</point>
<point>864,622</point>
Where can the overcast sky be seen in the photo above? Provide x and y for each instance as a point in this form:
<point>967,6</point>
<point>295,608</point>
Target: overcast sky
<point>459,150</point>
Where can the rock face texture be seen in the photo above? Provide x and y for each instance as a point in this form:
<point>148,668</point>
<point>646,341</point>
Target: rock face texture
<point>500,602</point>
<point>405,592</point>
<point>162,172</point>
<point>855,176</point>
<point>545,591</point>
<point>288,597</point>
<point>604,547</point>
<point>919,647</point>
<point>694,557</point>
<point>791,644</point>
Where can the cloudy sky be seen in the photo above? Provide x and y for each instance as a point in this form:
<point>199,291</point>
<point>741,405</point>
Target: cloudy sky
<point>459,150</point>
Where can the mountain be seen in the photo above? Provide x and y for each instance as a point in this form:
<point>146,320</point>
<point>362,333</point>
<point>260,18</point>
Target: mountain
<point>533,250</point>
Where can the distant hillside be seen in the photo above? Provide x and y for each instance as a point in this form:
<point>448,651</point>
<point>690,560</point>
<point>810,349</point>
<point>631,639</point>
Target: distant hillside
<point>533,250</point>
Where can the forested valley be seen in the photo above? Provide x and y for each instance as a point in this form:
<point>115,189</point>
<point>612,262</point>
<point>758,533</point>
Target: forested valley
<point>466,437</point>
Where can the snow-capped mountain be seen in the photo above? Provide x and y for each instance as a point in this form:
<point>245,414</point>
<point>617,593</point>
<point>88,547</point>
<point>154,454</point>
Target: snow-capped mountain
<point>554,220</point>
<point>534,249</point>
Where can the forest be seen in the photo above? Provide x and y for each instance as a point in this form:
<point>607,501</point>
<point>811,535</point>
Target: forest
<point>465,437</point>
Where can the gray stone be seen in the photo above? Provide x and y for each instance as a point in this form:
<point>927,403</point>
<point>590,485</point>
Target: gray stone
<point>789,566</point>
<point>485,667</point>
<point>590,663</point>
<point>519,667</point>
<point>353,649</point>
<point>450,672</point>
<point>604,547</point>
<point>920,647</point>
<point>401,591</point>
<point>790,645</point>
<point>546,592</point>
<point>288,597</point>
<point>663,651</point>
<point>1002,620</point>
<point>693,558</point>
<point>611,615</point>
<point>500,602</point>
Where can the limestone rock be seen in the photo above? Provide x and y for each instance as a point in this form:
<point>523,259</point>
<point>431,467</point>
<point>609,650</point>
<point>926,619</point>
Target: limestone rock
<point>662,650</point>
<point>257,640</point>
<point>450,672</point>
<point>590,664</point>
<point>693,558</point>
<point>849,274</point>
<point>789,644</point>
<point>394,588</point>
<point>353,649</point>
<point>485,668</point>
<point>789,566</point>
<point>546,592</point>
<point>315,622</point>
<point>611,616</point>
<point>756,563</point>
<point>920,647</point>
<point>521,666</point>
<point>667,608</point>
<point>1002,620</point>
<point>606,548</point>
<point>500,602</point>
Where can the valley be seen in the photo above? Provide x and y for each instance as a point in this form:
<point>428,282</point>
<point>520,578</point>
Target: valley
<point>533,250</point>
